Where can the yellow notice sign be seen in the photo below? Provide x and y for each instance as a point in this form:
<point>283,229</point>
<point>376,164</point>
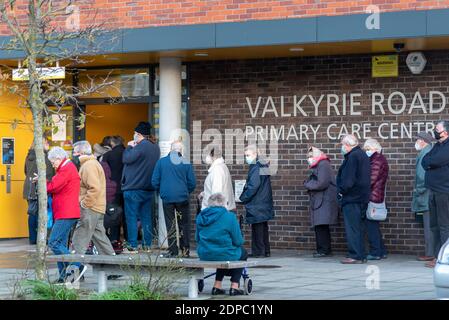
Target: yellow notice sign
<point>385,66</point>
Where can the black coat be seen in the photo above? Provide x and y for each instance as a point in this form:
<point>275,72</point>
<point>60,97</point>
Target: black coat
<point>31,169</point>
<point>354,178</point>
<point>114,158</point>
<point>323,194</point>
<point>257,195</point>
<point>436,164</point>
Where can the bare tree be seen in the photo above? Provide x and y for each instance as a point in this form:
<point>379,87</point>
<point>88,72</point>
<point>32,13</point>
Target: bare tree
<point>49,33</point>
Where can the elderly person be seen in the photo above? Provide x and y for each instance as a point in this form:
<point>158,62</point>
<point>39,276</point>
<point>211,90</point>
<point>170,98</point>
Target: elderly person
<point>323,200</point>
<point>218,179</point>
<point>64,188</point>
<point>139,159</point>
<point>353,191</point>
<point>379,176</point>
<point>420,202</point>
<point>219,238</point>
<point>174,177</point>
<point>93,203</point>
<point>436,165</point>
<point>258,200</point>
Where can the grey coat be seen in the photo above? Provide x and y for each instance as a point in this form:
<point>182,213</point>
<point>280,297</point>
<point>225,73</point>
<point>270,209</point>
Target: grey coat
<point>322,190</point>
<point>420,202</point>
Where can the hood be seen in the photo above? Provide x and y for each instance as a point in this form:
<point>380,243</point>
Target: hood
<point>31,155</point>
<point>84,159</point>
<point>210,215</point>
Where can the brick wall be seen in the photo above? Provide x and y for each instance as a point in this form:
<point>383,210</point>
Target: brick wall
<point>144,13</point>
<point>218,98</point>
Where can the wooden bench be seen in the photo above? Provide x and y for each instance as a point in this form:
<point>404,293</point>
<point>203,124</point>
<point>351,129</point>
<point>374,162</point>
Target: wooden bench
<point>103,265</point>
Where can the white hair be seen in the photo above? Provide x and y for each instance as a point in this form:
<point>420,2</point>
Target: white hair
<point>350,140</point>
<point>83,147</point>
<point>252,148</point>
<point>177,146</point>
<point>216,200</point>
<point>373,144</point>
<point>57,153</point>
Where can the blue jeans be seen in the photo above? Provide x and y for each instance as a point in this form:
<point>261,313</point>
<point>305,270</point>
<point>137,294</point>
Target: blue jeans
<point>376,243</point>
<point>32,228</point>
<point>138,205</point>
<point>58,242</point>
<point>354,216</point>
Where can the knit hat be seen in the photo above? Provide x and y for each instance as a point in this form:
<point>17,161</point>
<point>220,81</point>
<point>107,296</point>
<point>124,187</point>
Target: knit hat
<point>144,128</point>
<point>426,137</point>
<point>99,150</point>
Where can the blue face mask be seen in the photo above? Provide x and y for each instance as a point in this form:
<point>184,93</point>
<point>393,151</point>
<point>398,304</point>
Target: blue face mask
<point>249,160</point>
<point>369,153</point>
<point>343,150</point>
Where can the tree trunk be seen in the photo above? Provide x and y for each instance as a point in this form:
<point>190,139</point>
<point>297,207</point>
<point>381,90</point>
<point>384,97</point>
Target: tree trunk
<point>37,110</point>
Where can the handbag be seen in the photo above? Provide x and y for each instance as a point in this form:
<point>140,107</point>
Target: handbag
<point>113,215</point>
<point>376,211</point>
<point>33,207</point>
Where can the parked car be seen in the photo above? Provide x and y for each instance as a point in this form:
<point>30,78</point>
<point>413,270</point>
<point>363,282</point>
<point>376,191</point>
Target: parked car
<point>441,273</point>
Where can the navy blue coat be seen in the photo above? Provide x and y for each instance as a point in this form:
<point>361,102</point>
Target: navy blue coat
<point>257,195</point>
<point>436,164</point>
<point>354,178</point>
<point>139,164</point>
<point>174,177</point>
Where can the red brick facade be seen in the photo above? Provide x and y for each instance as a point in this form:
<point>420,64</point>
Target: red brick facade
<point>218,98</point>
<point>144,13</point>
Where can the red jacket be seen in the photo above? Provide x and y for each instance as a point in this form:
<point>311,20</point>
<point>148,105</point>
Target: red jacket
<point>379,176</point>
<point>65,190</point>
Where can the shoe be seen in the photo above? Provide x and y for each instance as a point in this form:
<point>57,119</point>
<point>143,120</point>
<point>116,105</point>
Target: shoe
<point>251,255</point>
<point>58,282</point>
<point>321,255</point>
<point>431,264</point>
<point>114,276</point>
<point>425,258</point>
<point>236,292</point>
<point>384,256</point>
<point>82,271</point>
<point>267,255</point>
<point>130,250</point>
<point>145,249</point>
<point>352,261</point>
<point>370,257</point>
<point>217,291</point>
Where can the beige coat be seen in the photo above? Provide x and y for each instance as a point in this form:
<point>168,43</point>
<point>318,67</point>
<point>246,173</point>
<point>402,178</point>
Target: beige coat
<point>93,185</point>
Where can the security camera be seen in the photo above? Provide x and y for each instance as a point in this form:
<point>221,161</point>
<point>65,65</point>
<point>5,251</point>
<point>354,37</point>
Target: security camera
<point>398,46</point>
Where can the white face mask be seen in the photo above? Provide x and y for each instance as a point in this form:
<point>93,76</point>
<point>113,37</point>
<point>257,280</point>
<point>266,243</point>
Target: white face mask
<point>209,160</point>
<point>136,137</point>
<point>418,146</point>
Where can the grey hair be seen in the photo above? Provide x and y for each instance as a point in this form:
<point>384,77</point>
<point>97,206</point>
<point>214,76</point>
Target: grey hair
<point>252,148</point>
<point>445,125</point>
<point>177,146</point>
<point>83,147</point>
<point>350,140</point>
<point>216,200</point>
<point>373,144</point>
<point>57,153</point>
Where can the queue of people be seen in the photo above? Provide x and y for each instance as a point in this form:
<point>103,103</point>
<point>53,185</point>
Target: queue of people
<point>110,187</point>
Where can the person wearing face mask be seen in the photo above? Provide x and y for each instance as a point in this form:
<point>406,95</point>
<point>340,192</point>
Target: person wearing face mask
<point>218,180</point>
<point>139,159</point>
<point>420,203</point>
<point>353,193</point>
<point>436,165</point>
<point>258,200</point>
<point>322,191</point>
<point>65,190</point>
<point>175,179</point>
<point>379,176</point>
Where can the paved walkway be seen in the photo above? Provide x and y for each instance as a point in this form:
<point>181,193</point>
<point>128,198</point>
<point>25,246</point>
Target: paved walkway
<point>285,275</point>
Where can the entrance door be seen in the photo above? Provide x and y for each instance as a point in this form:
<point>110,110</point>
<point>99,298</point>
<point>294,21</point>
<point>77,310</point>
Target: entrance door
<point>117,119</point>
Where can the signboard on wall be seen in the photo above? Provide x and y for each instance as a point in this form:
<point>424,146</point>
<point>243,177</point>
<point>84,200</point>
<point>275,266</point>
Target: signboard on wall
<point>239,185</point>
<point>385,66</point>
<point>8,152</point>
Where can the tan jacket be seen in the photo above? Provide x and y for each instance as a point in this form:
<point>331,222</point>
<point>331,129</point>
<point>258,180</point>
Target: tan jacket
<point>93,185</point>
